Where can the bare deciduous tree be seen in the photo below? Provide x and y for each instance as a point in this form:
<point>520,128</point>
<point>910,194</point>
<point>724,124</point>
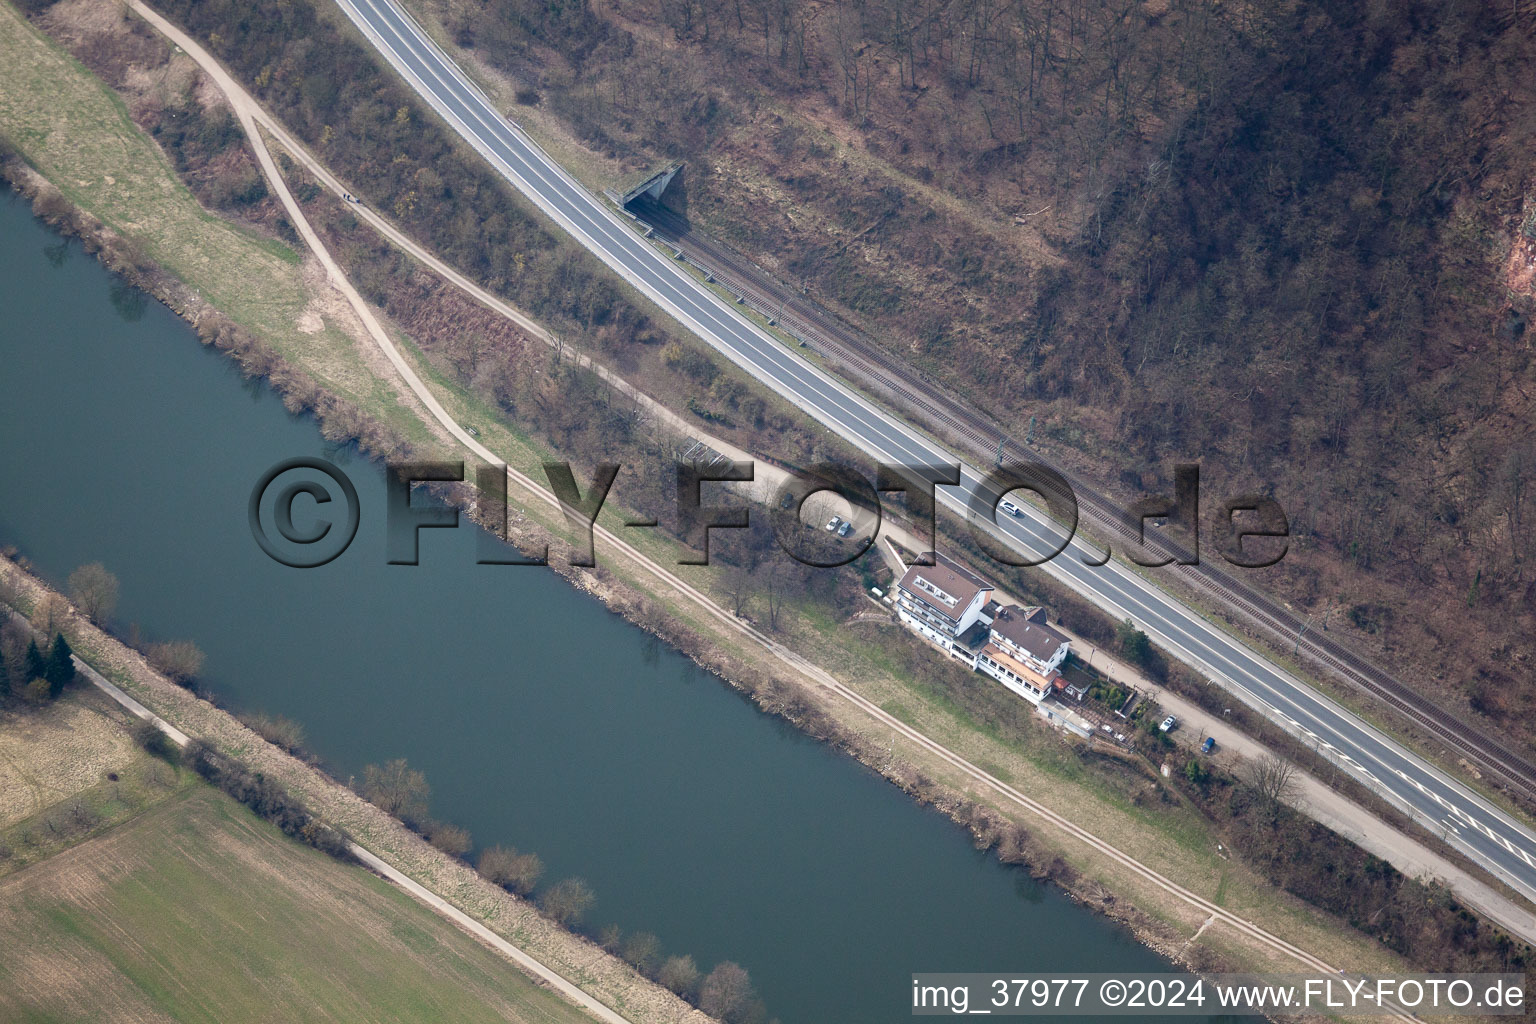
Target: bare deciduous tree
<point>49,616</point>
<point>642,950</point>
<point>1273,779</point>
<point>396,788</point>
<point>727,994</point>
<point>8,590</point>
<point>567,900</point>
<point>180,660</point>
<point>94,591</point>
<point>679,973</point>
<point>518,872</point>
<point>776,588</point>
<point>14,638</point>
<point>738,586</point>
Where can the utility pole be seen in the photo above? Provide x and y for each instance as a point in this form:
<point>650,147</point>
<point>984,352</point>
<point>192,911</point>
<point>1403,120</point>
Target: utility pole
<point>1307,625</point>
<point>1000,446</point>
<point>1296,651</point>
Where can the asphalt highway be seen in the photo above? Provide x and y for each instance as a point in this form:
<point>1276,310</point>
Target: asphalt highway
<point>1484,832</point>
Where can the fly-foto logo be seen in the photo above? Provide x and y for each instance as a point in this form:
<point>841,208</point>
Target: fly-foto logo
<point>304,512</point>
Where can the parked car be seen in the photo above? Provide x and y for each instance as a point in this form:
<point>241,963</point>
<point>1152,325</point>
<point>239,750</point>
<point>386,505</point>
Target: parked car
<point>1209,745</point>
<point>833,522</point>
<point>1011,508</point>
<point>1168,724</point>
<point>845,529</point>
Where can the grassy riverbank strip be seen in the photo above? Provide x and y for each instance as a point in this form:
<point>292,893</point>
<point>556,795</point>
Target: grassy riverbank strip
<point>1175,841</point>
<point>576,959</point>
<point>182,877</point>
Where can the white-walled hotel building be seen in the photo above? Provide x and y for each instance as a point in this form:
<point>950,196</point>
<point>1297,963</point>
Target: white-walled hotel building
<point>952,608</point>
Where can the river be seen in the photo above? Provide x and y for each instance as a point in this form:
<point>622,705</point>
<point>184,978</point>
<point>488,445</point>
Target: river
<point>540,719</point>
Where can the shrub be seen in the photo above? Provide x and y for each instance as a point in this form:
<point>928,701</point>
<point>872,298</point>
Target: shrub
<point>450,839</point>
<point>277,730</point>
<point>567,901</point>
<point>180,661</point>
<point>1197,773</point>
<point>678,973</point>
<point>267,798</point>
<point>327,840</point>
<point>154,740</point>
<point>642,950</point>
<point>397,789</point>
<point>1134,644</point>
<point>514,871</point>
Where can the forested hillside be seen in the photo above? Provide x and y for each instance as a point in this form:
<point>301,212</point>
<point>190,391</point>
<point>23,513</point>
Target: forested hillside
<point>1295,242</point>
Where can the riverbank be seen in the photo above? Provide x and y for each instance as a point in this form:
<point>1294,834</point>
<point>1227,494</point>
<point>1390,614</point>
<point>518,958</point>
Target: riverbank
<point>1151,835</point>
<point>99,838</point>
<point>579,960</point>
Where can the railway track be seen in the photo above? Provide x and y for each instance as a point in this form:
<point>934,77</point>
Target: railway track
<point>949,415</point>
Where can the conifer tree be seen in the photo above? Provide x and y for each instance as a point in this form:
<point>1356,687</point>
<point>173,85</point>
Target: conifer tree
<point>59,669</point>
<point>36,666</point>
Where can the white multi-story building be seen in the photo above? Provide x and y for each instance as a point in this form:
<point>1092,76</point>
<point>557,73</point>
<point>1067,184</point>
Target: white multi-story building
<point>1023,653</point>
<point>941,602</point>
<point>951,608</point>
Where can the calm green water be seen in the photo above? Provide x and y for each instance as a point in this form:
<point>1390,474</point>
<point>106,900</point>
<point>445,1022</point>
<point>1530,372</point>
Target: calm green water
<point>540,719</point>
